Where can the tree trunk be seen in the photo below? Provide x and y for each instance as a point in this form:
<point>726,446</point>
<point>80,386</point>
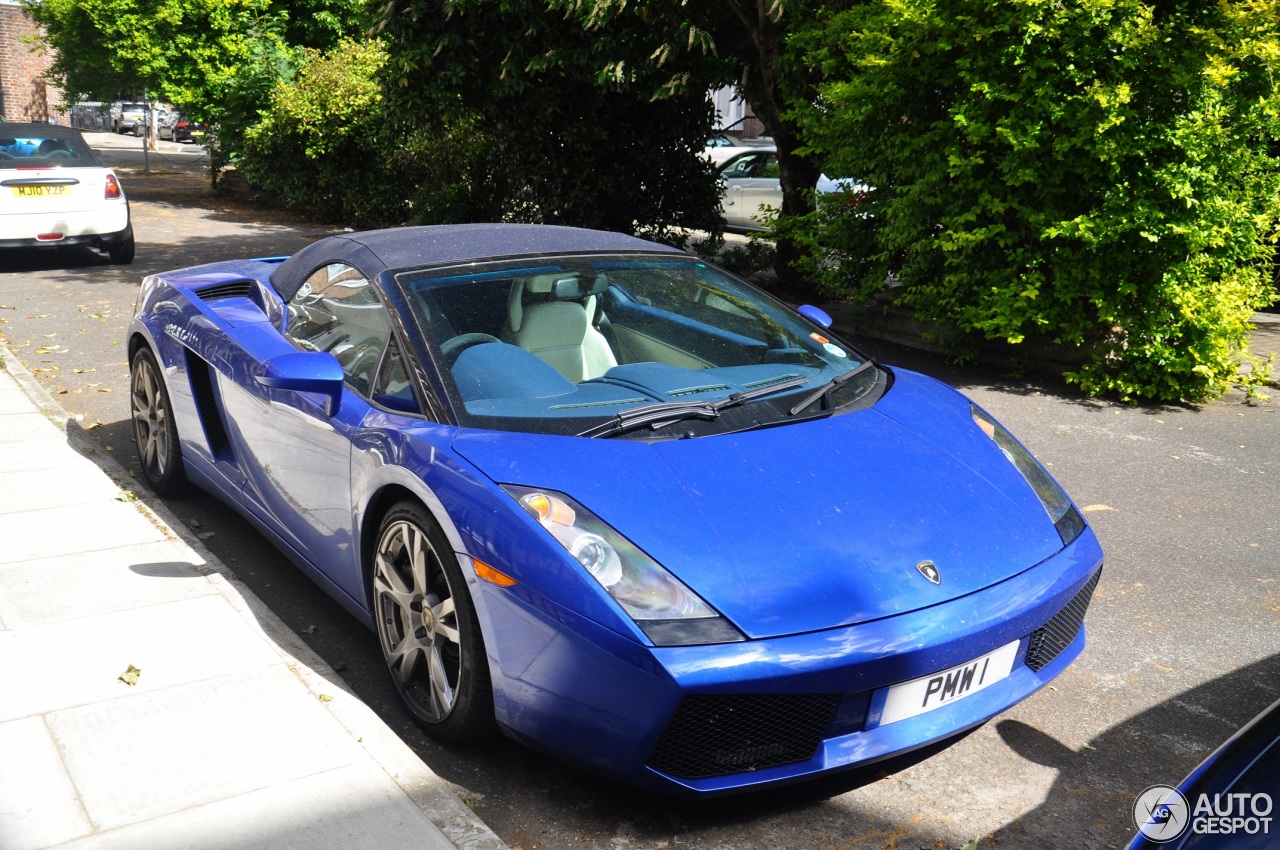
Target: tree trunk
<point>799,176</point>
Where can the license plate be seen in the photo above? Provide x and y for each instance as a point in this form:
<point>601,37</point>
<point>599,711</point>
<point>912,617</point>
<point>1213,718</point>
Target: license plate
<point>927,693</point>
<point>41,191</point>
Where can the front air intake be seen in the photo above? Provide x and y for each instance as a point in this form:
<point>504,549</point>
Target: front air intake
<point>718,734</point>
<point>1048,641</point>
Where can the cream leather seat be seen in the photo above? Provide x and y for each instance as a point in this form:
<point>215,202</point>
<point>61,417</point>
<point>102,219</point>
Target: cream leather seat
<point>560,332</point>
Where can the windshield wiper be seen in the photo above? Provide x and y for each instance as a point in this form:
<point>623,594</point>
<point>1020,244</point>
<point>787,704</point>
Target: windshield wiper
<point>826,390</point>
<point>664,413</point>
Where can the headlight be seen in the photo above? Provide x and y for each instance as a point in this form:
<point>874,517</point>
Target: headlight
<point>667,611</point>
<point>1064,514</point>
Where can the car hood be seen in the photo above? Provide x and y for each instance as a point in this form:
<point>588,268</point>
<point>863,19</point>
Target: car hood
<point>807,526</point>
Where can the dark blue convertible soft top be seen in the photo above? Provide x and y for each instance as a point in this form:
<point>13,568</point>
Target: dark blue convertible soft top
<point>376,251</point>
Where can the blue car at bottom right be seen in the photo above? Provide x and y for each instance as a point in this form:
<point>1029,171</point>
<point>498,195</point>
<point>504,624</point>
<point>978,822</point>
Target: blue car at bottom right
<point>1226,803</point>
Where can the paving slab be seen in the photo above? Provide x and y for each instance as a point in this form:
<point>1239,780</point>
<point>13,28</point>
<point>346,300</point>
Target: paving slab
<point>352,807</point>
<point>113,523</point>
<point>38,804</point>
<point>176,748</point>
<point>64,587</point>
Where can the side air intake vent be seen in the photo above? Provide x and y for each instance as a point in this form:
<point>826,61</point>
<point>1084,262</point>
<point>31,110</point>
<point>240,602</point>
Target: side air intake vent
<point>206,400</point>
<point>231,289</point>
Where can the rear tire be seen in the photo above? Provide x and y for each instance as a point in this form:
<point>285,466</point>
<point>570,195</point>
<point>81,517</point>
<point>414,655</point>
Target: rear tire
<point>428,629</point>
<point>122,252</point>
<point>155,433</point>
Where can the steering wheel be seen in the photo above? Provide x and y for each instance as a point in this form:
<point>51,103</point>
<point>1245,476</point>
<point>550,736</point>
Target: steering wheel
<point>451,348</point>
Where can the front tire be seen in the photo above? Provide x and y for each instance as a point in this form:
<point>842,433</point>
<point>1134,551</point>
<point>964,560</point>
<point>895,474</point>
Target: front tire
<point>428,629</point>
<point>155,433</point>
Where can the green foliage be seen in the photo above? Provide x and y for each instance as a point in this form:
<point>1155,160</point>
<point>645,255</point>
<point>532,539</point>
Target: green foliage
<point>1101,173</point>
<point>176,49</point>
<point>748,259</point>
<point>218,60</point>
<point>562,144</point>
<point>675,45</point>
<point>319,142</point>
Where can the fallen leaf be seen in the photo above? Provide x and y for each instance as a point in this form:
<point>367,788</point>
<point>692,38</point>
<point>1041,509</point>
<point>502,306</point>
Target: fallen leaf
<point>205,535</point>
<point>326,698</point>
<point>130,676</point>
<point>1092,508</point>
<point>309,630</point>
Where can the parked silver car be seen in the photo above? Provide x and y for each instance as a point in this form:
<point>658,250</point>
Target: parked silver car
<point>127,117</point>
<point>753,187</point>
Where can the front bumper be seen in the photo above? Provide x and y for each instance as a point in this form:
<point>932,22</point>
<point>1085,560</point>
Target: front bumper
<point>572,688</point>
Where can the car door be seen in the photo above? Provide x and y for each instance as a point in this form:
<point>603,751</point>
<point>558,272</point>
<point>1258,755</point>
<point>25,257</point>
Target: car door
<point>752,184</point>
<point>295,454</point>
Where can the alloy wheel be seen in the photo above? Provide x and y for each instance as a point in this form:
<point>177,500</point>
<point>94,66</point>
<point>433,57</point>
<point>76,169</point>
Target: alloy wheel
<point>417,620</point>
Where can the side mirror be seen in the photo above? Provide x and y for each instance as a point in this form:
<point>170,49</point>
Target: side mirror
<point>305,372</point>
<point>813,314</point>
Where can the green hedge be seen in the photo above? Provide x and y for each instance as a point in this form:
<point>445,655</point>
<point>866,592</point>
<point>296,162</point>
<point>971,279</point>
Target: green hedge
<point>1102,173</point>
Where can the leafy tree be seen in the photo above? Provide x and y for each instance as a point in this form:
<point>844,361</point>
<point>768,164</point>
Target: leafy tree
<point>562,144</point>
<point>216,58</point>
<point>731,42</point>
<point>1102,173</point>
<point>105,48</point>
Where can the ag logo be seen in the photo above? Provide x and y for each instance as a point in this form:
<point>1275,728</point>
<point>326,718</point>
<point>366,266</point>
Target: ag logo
<point>930,571</point>
<point>1161,813</point>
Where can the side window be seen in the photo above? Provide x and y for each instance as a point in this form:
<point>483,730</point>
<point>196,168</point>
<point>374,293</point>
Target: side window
<point>337,310</point>
<point>393,388</point>
<point>743,167</point>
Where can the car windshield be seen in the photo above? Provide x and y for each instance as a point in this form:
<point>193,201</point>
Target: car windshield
<point>635,346</point>
<point>37,150</point>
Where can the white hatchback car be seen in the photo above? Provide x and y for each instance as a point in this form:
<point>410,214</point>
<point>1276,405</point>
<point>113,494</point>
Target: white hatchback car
<point>55,192</point>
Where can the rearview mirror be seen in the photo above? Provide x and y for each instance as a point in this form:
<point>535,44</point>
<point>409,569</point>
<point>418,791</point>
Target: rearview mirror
<point>815,315</point>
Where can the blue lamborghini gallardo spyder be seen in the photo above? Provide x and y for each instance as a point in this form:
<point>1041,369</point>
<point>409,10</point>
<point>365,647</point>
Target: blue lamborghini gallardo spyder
<point>618,504</point>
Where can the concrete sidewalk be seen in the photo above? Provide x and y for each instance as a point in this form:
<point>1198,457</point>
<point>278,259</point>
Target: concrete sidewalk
<point>234,735</point>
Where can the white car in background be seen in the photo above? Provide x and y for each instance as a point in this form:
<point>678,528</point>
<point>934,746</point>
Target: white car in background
<point>55,192</point>
<point>753,188</point>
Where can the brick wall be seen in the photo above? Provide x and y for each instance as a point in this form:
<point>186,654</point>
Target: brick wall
<point>24,96</point>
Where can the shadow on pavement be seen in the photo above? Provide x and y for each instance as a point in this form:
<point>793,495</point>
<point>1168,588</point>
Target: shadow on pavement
<point>1097,784</point>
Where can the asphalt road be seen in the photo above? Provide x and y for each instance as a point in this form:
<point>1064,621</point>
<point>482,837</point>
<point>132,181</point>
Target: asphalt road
<point>1184,630</point>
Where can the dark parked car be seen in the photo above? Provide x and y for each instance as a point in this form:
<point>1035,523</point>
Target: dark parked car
<point>183,129</point>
